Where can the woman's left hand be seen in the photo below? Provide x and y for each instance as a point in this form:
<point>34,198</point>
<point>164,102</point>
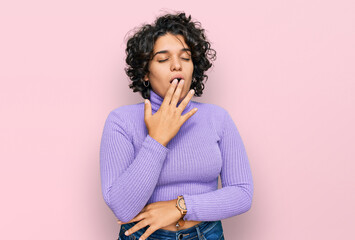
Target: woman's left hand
<point>157,215</point>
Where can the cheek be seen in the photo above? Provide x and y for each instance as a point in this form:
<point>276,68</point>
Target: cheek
<point>191,66</point>
<point>160,75</point>
<point>154,72</point>
<point>159,70</point>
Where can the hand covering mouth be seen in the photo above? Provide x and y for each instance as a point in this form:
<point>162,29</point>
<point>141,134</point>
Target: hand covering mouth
<point>175,78</point>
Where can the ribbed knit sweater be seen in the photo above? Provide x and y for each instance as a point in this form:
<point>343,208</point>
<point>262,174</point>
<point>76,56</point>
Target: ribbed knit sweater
<point>137,170</point>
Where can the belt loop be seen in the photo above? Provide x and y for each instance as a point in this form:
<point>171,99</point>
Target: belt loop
<point>199,233</point>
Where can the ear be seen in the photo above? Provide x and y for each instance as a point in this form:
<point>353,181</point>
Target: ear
<point>146,77</point>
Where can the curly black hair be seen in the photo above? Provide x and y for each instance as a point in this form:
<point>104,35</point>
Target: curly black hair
<point>140,48</point>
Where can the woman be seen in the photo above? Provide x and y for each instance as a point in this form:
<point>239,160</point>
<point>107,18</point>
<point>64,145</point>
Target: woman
<point>160,160</point>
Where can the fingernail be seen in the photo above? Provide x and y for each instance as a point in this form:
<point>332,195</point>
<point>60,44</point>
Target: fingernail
<point>146,101</point>
<point>192,91</point>
<point>126,233</point>
<point>175,81</point>
<point>181,81</point>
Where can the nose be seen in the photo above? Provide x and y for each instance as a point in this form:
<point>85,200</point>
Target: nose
<point>175,64</point>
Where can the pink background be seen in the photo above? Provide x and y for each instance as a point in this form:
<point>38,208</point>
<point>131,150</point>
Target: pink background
<point>284,70</point>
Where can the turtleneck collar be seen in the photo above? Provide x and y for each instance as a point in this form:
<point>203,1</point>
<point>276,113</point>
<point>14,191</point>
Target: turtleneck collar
<point>157,100</point>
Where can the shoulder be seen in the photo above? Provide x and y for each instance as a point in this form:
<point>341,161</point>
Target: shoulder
<point>125,110</point>
<point>120,120</point>
<point>125,113</point>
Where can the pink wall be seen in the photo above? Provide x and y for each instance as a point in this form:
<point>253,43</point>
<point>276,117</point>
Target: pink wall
<point>284,70</point>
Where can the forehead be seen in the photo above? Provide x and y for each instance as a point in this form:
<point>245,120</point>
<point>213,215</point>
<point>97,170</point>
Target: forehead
<point>169,42</point>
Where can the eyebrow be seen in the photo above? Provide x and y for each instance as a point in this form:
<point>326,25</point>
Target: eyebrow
<point>166,51</point>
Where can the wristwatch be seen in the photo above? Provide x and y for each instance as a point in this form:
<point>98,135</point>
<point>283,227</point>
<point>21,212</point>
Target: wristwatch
<point>180,204</point>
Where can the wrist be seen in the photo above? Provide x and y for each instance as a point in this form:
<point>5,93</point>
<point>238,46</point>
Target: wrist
<point>181,206</point>
<point>161,141</point>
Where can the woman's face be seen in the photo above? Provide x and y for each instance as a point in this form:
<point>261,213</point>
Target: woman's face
<point>171,57</point>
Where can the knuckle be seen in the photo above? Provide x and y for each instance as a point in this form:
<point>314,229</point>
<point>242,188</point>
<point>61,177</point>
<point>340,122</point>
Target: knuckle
<point>183,104</point>
<point>150,231</point>
<point>180,110</point>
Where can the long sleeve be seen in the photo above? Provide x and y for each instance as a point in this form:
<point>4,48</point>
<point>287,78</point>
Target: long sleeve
<point>127,181</point>
<point>235,196</point>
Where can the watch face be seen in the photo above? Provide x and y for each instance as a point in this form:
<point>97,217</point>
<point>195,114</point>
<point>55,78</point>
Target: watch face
<point>182,204</point>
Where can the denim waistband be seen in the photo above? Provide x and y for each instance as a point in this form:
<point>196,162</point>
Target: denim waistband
<point>191,232</point>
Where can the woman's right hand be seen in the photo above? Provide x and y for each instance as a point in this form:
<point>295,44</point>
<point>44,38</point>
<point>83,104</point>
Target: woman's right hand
<point>167,121</point>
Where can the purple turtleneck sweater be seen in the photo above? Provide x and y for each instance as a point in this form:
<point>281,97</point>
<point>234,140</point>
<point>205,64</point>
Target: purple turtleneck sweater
<point>137,170</point>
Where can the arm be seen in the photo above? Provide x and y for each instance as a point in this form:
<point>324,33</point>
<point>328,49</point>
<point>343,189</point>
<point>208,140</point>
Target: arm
<point>128,182</point>
<point>235,196</point>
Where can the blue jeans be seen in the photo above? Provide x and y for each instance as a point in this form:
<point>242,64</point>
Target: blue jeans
<point>207,230</point>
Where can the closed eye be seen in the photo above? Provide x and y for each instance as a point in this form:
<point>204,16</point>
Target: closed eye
<point>187,59</point>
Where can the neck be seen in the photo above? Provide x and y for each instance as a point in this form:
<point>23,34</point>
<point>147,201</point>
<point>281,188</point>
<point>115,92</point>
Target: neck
<point>157,100</point>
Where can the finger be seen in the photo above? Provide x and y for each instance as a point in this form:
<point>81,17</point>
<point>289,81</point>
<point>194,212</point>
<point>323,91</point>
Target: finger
<point>147,233</point>
<point>177,93</point>
<point>186,116</point>
<point>144,209</point>
<point>186,100</point>
<point>169,93</point>
<point>137,218</point>
<point>147,109</point>
<point>136,227</point>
